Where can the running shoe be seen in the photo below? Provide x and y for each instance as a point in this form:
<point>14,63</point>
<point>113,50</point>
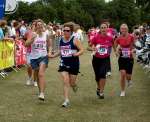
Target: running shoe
<point>41,96</point>
<point>98,92</point>
<point>145,67</point>
<point>122,94</point>
<point>35,84</point>
<point>66,104</point>
<point>101,96</point>
<point>108,74</point>
<point>29,82</point>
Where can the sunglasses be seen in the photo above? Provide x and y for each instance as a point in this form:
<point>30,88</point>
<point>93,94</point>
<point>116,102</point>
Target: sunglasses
<point>66,30</point>
<point>103,27</point>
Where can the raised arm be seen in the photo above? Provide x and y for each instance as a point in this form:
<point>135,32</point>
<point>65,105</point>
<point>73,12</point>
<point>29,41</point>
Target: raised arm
<point>30,39</point>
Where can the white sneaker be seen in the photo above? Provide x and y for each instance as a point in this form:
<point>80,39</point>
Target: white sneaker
<point>41,96</point>
<point>29,82</point>
<point>145,67</point>
<point>122,94</point>
<point>35,84</point>
<point>108,73</point>
<point>66,104</point>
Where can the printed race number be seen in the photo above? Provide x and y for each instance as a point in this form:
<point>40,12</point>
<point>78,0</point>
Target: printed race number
<point>126,52</point>
<point>102,50</point>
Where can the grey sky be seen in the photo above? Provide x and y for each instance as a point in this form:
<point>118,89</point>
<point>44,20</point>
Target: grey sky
<point>27,0</point>
<point>36,0</point>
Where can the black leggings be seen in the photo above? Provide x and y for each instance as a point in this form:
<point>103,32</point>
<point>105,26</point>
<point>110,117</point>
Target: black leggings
<point>100,66</point>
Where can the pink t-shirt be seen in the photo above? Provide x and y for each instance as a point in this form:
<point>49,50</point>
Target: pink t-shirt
<point>126,44</point>
<point>103,45</point>
<point>28,35</point>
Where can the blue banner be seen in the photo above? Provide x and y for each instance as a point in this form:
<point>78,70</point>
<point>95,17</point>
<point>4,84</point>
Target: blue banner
<point>2,8</point>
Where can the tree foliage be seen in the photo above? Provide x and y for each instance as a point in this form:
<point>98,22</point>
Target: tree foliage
<point>85,12</point>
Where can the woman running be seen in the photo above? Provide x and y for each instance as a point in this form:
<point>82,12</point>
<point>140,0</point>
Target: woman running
<point>70,50</point>
<point>40,43</point>
<point>101,44</point>
<point>124,48</point>
<point>28,36</point>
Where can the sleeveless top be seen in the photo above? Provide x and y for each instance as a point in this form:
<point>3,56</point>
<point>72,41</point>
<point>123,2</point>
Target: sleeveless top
<point>39,47</point>
<point>67,49</point>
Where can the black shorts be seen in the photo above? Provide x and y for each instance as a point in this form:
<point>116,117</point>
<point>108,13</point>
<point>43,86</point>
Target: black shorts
<point>126,64</point>
<point>72,71</point>
<point>100,66</point>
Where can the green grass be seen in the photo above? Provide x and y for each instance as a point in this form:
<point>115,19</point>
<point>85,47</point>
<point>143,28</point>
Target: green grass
<point>19,103</point>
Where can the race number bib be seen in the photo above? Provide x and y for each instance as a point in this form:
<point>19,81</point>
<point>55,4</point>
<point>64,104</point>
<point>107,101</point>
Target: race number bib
<point>66,51</point>
<point>102,50</point>
<point>39,46</point>
<point>126,52</point>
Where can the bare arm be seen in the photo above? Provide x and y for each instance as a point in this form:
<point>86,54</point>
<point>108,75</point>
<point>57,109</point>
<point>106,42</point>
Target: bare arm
<point>55,55</point>
<point>49,42</point>
<point>30,40</point>
<point>78,44</point>
<point>116,48</point>
<point>115,45</point>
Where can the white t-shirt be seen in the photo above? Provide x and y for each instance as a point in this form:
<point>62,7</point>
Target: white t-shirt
<point>12,31</point>
<point>23,30</point>
<point>39,46</point>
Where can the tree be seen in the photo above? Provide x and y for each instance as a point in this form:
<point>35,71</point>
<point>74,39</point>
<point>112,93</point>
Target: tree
<point>87,13</point>
<point>144,6</point>
<point>95,8</point>
<point>123,11</point>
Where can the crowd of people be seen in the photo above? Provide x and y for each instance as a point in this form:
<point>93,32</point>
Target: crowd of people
<point>142,45</point>
<point>39,40</point>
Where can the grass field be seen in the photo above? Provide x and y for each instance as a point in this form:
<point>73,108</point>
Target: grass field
<point>19,103</point>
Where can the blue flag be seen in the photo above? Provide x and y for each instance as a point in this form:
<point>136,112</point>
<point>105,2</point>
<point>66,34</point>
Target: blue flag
<point>2,8</point>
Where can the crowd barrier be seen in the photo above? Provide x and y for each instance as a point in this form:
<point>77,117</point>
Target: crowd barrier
<point>7,49</point>
<point>12,55</point>
<point>20,53</point>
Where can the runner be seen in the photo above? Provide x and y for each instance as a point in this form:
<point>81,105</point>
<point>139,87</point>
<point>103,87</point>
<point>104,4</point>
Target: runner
<point>101,44</point>
<point>70,50</point>
<point>124,47</point>
<point>39,55</point>
<point>28,36</point>
<point>110,32</point>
